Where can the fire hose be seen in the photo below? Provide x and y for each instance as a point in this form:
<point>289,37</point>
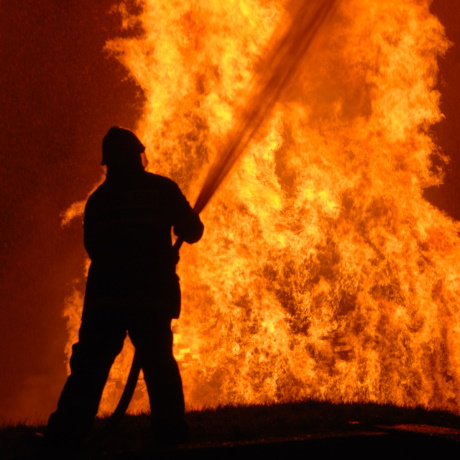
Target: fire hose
<point>284,55</point>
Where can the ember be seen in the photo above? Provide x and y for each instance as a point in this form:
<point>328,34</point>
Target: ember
<point>324,273</point>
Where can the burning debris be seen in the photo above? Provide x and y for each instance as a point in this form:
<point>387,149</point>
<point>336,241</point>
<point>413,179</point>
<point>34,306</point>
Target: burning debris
<point>324,273</point>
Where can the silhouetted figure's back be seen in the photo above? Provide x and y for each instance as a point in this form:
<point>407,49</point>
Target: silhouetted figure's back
<point>132,288</point>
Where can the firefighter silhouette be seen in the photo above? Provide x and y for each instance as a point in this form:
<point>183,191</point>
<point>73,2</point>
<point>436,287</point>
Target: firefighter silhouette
<point>132,288</point>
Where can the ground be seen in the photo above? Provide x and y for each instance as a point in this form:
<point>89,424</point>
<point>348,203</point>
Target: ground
<point>296,430</point>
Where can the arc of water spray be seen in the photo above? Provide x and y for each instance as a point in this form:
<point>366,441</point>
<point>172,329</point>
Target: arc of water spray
<point>283,58</point>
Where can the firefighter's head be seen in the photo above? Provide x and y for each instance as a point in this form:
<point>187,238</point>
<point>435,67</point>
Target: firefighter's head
<point>122,150</point>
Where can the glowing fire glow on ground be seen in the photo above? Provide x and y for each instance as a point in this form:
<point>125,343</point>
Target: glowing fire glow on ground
<point>323,272</point>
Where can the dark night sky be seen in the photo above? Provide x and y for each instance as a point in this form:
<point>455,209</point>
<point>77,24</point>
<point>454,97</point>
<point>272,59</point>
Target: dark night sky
<point>60,94</point>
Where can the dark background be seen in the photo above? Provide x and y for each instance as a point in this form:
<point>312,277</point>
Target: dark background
<point>60,94</point>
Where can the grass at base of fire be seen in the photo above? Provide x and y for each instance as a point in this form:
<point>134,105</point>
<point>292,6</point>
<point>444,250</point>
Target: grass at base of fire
<point>274,431</point>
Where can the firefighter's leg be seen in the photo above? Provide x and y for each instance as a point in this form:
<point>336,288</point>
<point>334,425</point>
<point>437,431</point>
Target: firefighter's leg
<point>153,340</point>
<point>100,340</point>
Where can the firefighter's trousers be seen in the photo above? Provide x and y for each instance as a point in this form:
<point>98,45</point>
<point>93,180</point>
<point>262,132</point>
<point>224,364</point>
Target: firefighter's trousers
<point>105,324</point>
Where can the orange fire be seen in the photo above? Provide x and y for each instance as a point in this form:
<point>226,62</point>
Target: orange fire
<point>323,272</point>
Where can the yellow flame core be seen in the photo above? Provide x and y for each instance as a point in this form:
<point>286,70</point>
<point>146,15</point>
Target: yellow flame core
<point>323,272</point>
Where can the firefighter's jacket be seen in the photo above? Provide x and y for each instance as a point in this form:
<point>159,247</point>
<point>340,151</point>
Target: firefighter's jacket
<point>127,234</point>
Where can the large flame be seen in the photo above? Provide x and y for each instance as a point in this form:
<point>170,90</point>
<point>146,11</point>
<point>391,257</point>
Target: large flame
<point>323,272</point>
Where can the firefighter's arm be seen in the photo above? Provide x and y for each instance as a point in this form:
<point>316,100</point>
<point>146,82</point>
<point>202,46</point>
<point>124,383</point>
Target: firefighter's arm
<point>187,223</point>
